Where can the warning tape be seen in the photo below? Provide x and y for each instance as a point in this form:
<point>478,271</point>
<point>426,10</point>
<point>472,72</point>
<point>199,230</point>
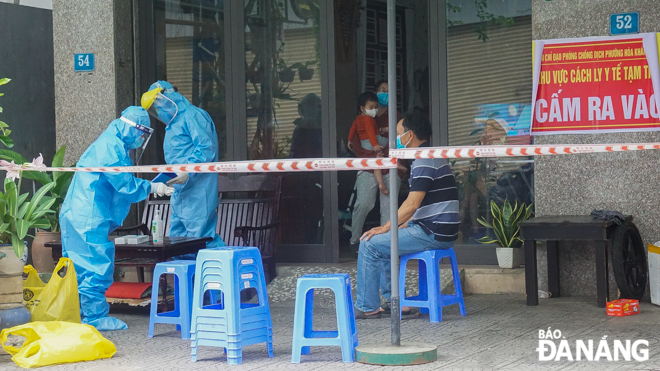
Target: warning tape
<point>289,165</point>
<point>296,165</point>
<point>516,151</point>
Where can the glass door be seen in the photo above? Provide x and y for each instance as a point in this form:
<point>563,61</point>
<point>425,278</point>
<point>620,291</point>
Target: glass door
<point>263,70</point>
<point>284,104</point>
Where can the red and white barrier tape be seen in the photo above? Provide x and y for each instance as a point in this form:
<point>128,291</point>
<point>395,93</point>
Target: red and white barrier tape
<point>289,165</point>
<point>324,164</point>
<point>515,151</point>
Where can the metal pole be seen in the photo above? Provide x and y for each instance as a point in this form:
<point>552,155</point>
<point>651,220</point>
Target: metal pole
<point>394,184</point>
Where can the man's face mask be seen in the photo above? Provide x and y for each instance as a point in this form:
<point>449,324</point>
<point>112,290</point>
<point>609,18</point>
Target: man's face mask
<point>399,145</point>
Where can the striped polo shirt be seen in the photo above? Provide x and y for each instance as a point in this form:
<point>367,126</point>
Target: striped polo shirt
<point>438,213</point>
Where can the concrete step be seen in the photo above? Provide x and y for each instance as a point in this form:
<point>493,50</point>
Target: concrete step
<point>282,288</point>
<point>476,279</point>
<point>491,279</point>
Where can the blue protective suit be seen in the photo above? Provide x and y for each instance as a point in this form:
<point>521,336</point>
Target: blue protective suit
<point>190,138</point>
<point>95,205</point>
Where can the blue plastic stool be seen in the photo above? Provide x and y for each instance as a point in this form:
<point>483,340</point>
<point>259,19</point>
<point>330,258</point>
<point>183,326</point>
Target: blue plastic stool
<point>183,271</point>
<point>430,300</point>
<point>230,324</point>
<point>303,334</point>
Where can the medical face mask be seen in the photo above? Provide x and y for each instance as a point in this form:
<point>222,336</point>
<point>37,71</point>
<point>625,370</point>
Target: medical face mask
<point>371,112</point>
<point>160,106</point>
<point>399,145</point>
<point>163,108</point>
<point>140,143</point>
<point>137,144</point>
<point>383,99</point>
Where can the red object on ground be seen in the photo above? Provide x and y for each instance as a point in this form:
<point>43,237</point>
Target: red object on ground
<point>622,307</point>
<point>127,290</point>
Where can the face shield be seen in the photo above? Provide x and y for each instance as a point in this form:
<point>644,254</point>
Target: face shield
<point>159,106</point>
<point>138,146</point>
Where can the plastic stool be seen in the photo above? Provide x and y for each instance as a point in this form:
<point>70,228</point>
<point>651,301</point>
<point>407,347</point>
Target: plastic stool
<point>303,334</point>
<point>431,300</point>
<point>230,324</point>
<point>183,271</point>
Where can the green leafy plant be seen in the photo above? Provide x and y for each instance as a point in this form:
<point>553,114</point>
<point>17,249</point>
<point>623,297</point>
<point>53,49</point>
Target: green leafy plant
<point>487,19</point>
<point>17,213</point>
<point>505,223</point>
<point>61,181</point>
<point>4,128</point>
<point>304,72</point>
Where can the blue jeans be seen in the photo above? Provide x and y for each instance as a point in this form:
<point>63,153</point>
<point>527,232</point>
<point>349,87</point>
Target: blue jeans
<point>374,258</point>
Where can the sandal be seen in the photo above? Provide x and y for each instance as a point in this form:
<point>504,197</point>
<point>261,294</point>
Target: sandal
<point>385,309</point>
<point>361,315</point>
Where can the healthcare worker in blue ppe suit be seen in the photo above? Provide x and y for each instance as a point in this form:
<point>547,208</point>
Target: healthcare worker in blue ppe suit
<point>96,204</point>
<point>190,138</point>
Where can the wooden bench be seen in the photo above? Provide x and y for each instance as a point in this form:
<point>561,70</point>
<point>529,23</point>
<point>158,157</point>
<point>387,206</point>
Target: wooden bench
<point>247,216</point>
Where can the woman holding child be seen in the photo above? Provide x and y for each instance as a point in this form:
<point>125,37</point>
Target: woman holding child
<point>368,184</point>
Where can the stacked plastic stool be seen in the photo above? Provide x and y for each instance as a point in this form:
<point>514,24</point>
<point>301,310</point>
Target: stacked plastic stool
<point>230,324</point>
<point>430,300</point>
<point>303,334</point>
<point>183,271</point>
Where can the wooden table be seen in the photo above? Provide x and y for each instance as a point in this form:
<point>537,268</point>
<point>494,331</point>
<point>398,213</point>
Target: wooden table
<point>169,248</point>
<point>565,228</point>
<point>147,254</point>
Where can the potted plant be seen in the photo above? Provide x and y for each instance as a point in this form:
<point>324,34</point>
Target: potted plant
<point>42,256</point>
<point>286,73</point>
<point>507,232</point>
<point>255,75</point>
<point>18,214</point>
<point>304,72</point>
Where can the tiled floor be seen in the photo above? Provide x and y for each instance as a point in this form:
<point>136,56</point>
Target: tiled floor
<point>499,333</point>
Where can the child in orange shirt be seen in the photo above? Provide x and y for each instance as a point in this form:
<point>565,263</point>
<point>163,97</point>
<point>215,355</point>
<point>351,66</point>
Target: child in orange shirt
<point>366,129</point>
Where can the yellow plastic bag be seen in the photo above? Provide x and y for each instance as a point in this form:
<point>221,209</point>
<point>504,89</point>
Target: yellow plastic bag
<point>59,299</point>
<point>49,343</point>
<point>32,286</point>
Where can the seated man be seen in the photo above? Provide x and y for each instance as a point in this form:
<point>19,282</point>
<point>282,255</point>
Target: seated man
<point>428,219</point>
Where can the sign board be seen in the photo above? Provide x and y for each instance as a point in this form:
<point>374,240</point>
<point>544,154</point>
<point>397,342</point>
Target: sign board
<point>83,62</point>
<point>624,23</point>
<point>596,84</point>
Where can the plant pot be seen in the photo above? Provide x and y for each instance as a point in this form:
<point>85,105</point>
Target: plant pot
<point>12,309</point>
<point>11,265</point>
<point>255,104</point>
<point>14,317</point>
<point>287,75</point>
<point>42,256</point>
<point>305,73</point>
<point>255,76</point>
<point>509,257</point>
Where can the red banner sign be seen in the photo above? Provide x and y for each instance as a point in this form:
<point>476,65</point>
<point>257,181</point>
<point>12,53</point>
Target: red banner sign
<point>603,85</point>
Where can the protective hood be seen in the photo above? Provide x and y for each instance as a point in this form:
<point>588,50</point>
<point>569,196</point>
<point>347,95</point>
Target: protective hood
<point>167,112</point>
<point>128,133</point>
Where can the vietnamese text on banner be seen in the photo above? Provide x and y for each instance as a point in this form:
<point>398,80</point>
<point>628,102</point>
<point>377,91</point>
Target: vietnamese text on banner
<point>596,84</point>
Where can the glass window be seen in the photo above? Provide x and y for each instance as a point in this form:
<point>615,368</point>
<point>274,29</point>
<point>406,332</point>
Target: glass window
<point>283,89</point>
<point>489,59</point>
<point>189,48</point>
